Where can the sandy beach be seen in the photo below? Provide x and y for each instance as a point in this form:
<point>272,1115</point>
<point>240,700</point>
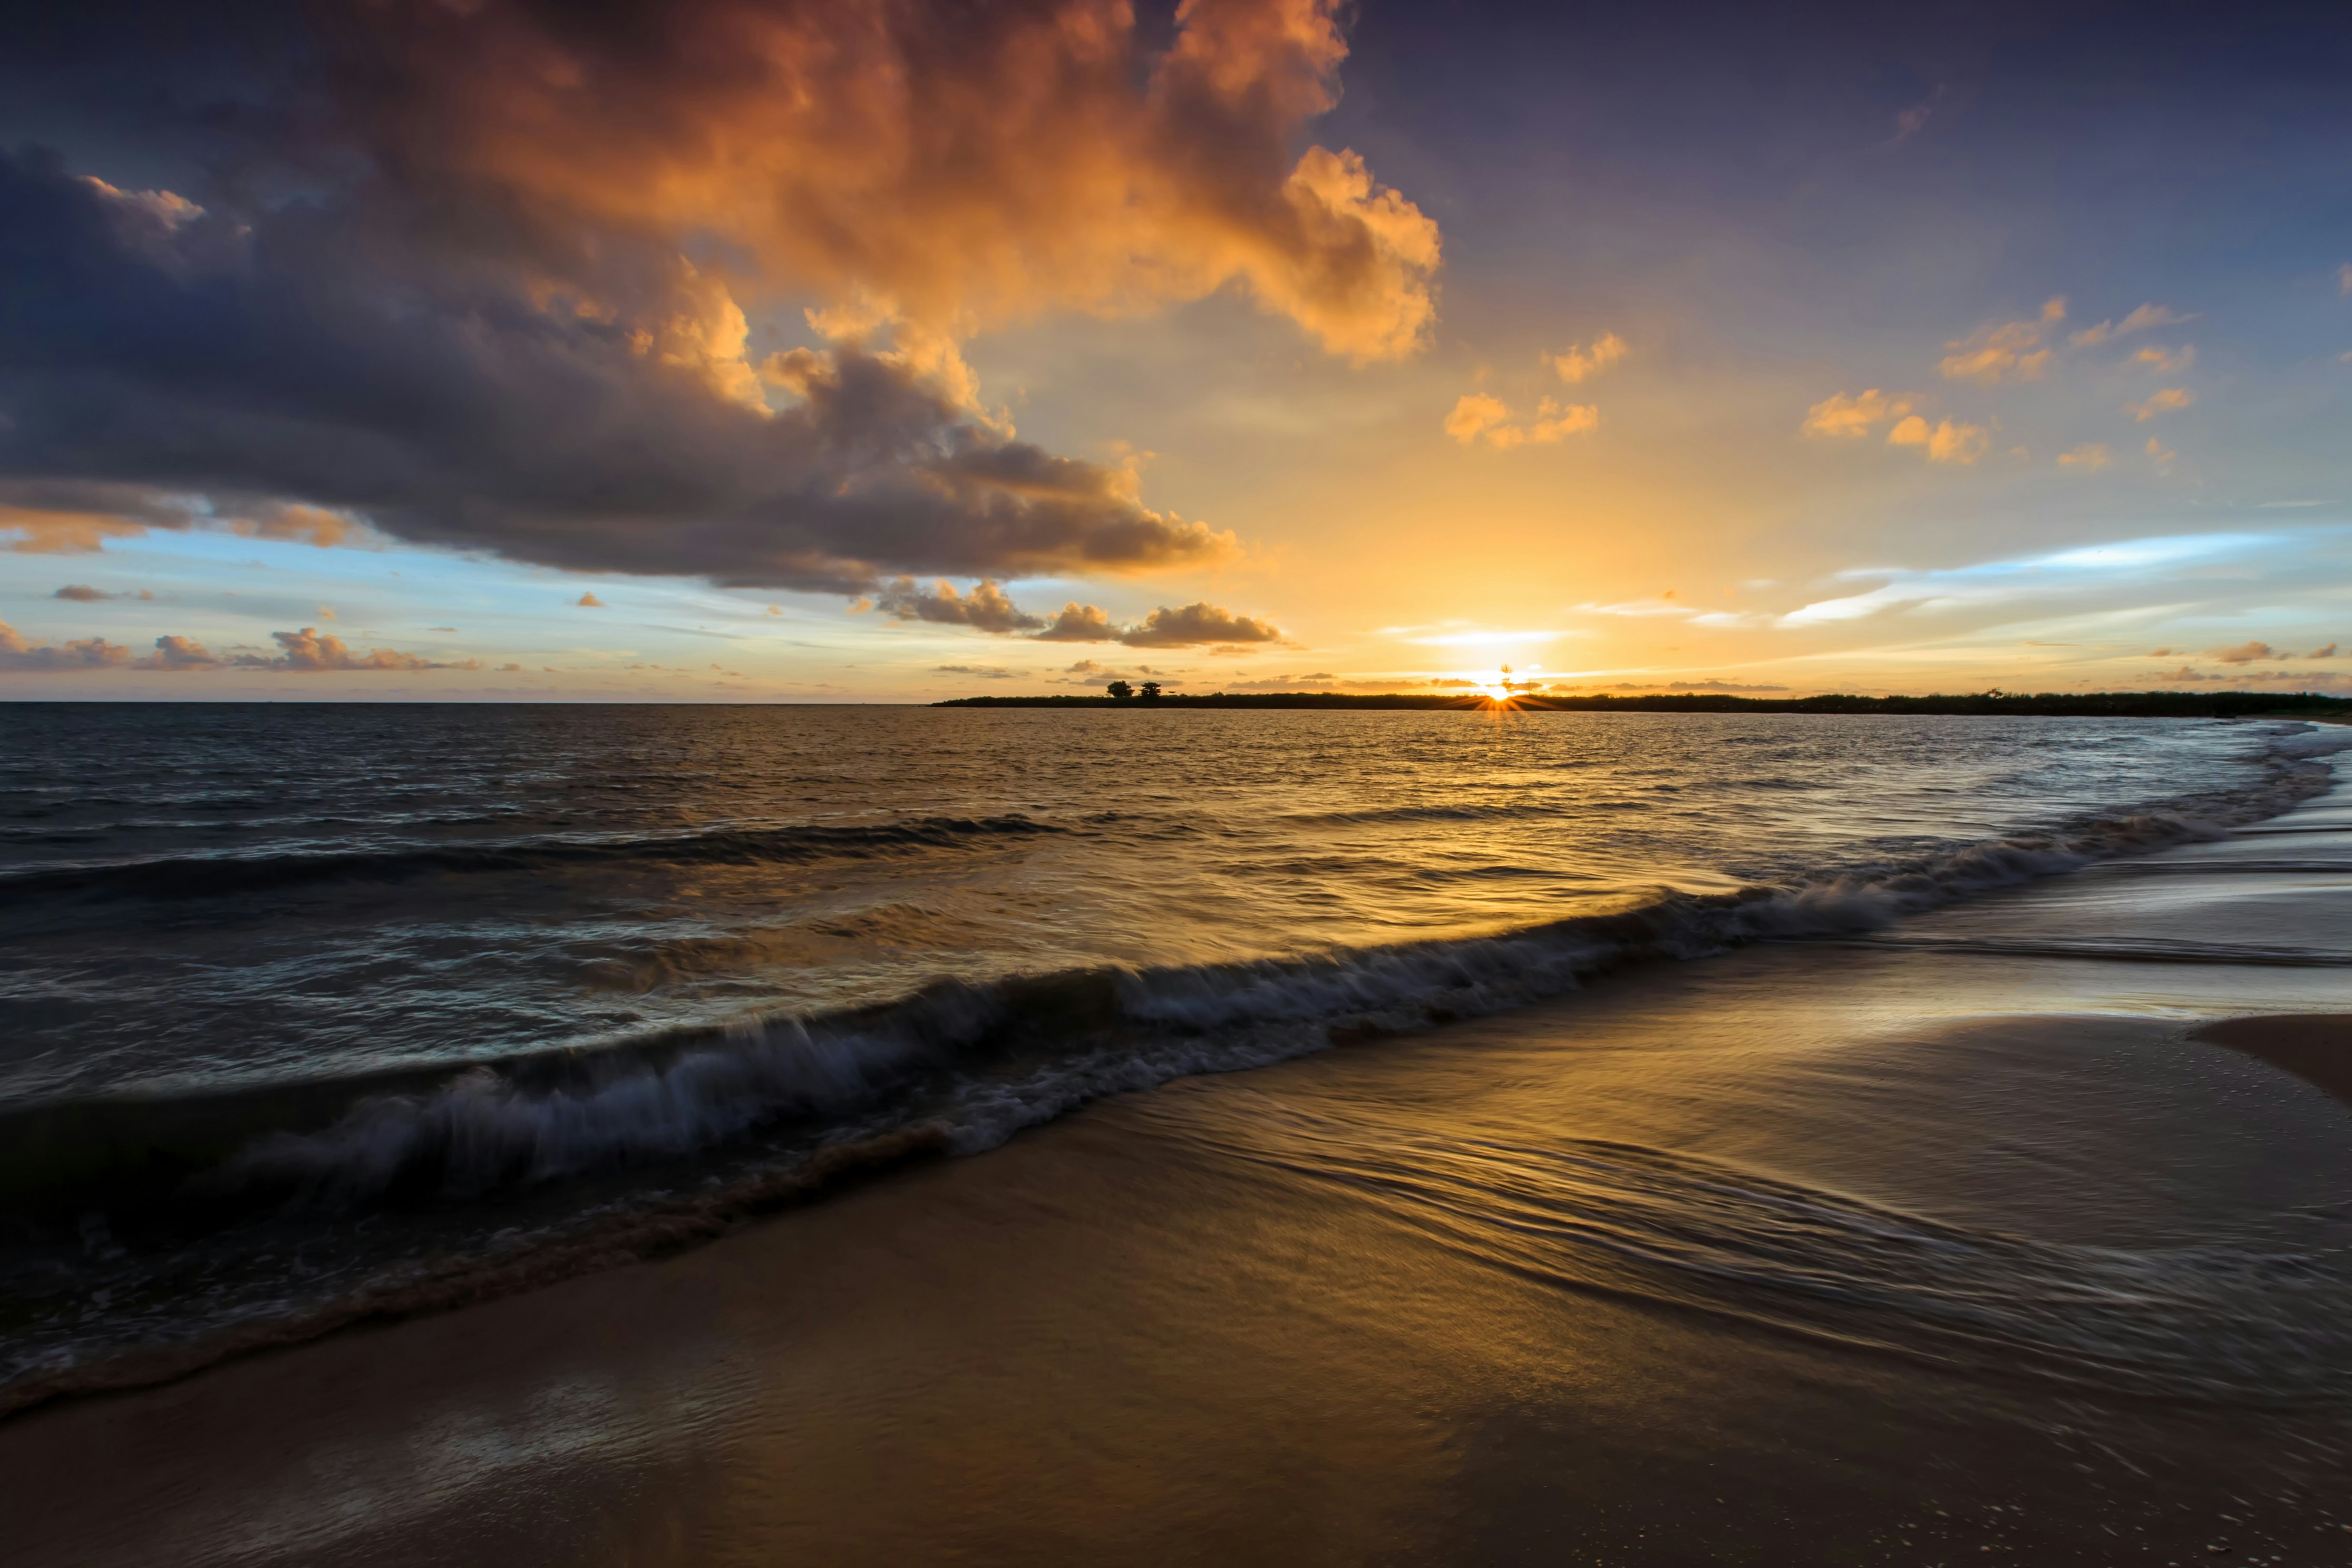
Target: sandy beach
<point>1901,1250</point>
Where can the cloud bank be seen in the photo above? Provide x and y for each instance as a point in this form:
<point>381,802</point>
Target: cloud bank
<point>508,311</point>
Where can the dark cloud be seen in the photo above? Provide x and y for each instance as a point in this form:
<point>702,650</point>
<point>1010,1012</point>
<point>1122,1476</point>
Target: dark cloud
<point>80,593</point>
<point>983,672</point>
<point>470,274</point>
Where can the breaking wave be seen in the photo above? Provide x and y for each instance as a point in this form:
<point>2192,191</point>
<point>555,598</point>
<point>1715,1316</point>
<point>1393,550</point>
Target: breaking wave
<point>986,1058</point>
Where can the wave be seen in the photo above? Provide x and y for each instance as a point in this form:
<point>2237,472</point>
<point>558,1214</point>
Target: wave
<point>202,874</point>
<point>698,1128</point>
<point>988,1058</point>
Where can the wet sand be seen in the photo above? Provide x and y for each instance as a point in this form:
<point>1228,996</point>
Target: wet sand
<point>1404,1301</point>
<point>2315,1047</point>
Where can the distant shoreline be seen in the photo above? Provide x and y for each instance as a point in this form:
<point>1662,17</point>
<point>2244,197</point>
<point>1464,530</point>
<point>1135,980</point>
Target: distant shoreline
<point>2048,705</point>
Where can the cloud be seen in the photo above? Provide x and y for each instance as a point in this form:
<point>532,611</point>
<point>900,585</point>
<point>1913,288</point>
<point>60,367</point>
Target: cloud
<point>480,326</point>
<point>2344,279</point>
<point>1079,624</point>
<point>2011,351</point>
<point>986,608</point>
<point>1945,441</point>
<point>1580,363</point>
<point>1844,417</point>
<point>80,593</point>
<point>2159,453</point>
<point>589,601</point>
<point>1480,417</point>
<point>1474,415</point>
<point>2170,400</point>
<point>308,652</point>
<point>179,654</point>
<point>2139,320</point>
<point>2087,458</point>
<point>2326,652</point>
<point>2159,361</point>
<point>90,654</point>
<point>985,671</point>
<point>1192,625</point>
<point>2062,573</point>
<point>2245,653</point>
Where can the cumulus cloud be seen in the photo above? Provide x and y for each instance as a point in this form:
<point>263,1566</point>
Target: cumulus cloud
<point>2011,351</point>
<point>2245,653</point>
<point>179,654</point>
<point>481,328</point>
<point>986,606</point>
<point>1944,442</point>
<point>19,652</point>
<point>2139,320</point>
<point>308,652</point>
<point>1192,625</point>
<point>2326,652</point>
<point>1474,414</point>
<point>1477,417</point>
<point>2087,458</point>
<point>1079,624</point>
<point>1580,363</point>
<point>2169,401</point>
<point>1840,416</point>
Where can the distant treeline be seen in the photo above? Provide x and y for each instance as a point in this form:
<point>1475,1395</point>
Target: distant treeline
<point>2053,705</point>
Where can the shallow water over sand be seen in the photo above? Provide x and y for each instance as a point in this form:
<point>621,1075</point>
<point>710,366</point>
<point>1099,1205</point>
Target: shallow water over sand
<point>1898,1252</point>
<point>317,1018</point>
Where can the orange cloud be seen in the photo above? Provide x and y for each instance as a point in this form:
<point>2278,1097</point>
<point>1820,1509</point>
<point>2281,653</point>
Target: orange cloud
<point>1580,363</point>
<point>2244,653</point>
<point>1479,416</point>
<point>1474,415</point>
<point>2087,458</point>
<point>963,166</point>
<point>1944,440</point>
<point>1843,417</point>
<point>2011,352</point>
<point>40,531</point>
<point>2165,362</point>
<point>2172,400</point>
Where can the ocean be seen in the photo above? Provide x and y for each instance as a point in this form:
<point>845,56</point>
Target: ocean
<point>315,1014</point>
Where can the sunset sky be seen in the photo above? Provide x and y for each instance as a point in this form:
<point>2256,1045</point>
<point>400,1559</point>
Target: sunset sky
<point>821,350</point>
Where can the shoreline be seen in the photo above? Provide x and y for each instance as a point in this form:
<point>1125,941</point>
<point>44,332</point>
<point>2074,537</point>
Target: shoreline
<point>1518,1288</point>
<point>2315,1047</point>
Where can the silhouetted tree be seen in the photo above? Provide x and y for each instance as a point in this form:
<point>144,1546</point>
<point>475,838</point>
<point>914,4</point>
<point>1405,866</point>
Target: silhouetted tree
<point>1119,690</point>
<point>1151,691</point>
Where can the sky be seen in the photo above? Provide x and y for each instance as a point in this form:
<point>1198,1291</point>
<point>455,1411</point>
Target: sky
<point>843,350</point>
